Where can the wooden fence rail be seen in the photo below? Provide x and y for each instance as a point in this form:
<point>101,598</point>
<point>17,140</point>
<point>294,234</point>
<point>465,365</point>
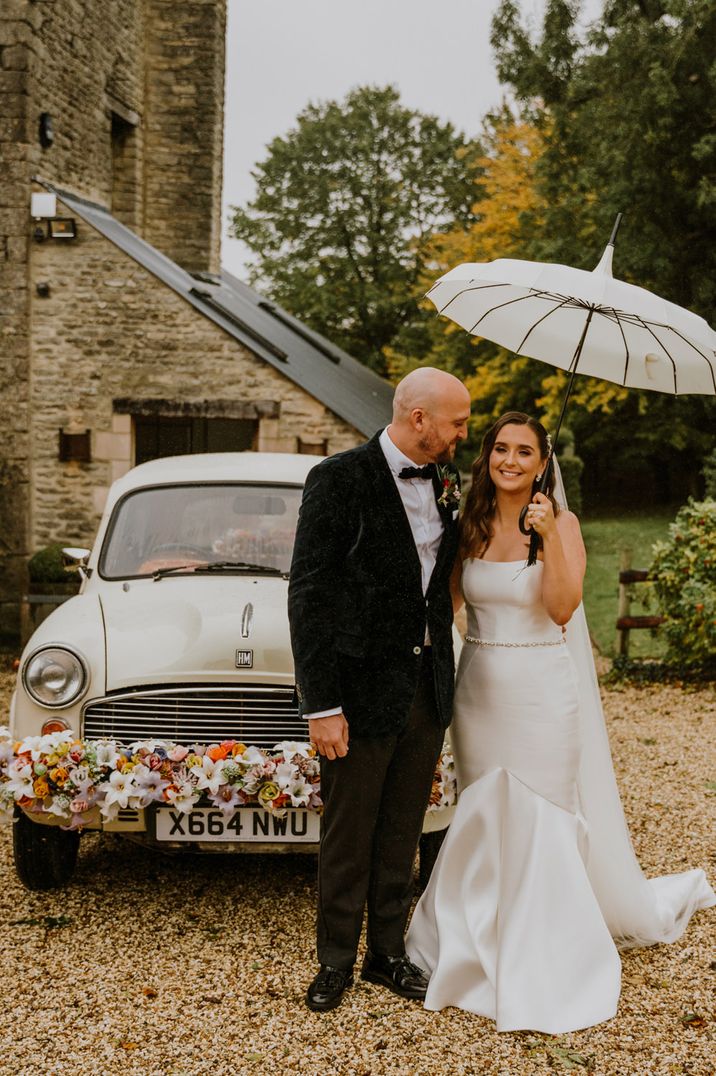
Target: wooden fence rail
<point>625,621</point>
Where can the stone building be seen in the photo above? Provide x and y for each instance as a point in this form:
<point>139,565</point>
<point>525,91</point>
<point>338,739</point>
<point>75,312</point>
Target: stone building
<point>121,338</point>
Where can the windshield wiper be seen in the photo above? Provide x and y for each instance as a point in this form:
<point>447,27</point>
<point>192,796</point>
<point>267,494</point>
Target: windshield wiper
<point>174,568</point>
<point>245,565</point>
<point>220,566</point>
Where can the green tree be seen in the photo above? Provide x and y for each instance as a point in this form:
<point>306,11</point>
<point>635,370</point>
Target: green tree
<point>347,205</point>
<point>628,110</point>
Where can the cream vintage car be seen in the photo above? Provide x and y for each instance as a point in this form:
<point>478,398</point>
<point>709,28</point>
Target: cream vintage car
<point>159,702</point>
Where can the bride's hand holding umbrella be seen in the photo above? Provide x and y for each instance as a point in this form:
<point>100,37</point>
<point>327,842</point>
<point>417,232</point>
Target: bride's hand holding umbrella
<point>540,516</point>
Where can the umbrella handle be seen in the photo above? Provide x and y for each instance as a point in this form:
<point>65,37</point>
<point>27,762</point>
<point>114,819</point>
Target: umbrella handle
<point>532,534</point>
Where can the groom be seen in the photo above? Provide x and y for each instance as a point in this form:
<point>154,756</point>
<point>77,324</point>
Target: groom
<point>371,630</point>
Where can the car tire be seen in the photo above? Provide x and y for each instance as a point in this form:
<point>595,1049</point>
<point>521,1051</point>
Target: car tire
<point>430,845</point>
<point>45,856</point>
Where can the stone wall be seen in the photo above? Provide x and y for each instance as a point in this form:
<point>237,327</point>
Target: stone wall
<point>184,129</point>
<point>135,92</point>
<point>110,331</point>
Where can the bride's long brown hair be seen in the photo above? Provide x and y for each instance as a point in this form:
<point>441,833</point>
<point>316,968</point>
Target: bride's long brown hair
<point>476,520</point>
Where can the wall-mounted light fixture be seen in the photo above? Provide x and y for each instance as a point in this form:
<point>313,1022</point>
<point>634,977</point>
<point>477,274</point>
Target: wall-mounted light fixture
<point>55,228</point>
<point>61,228</point>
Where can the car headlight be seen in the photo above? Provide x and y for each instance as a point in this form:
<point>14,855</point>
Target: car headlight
<point>54,676</point>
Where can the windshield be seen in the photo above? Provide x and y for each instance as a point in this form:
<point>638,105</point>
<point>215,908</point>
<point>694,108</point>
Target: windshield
<point>195,525</point>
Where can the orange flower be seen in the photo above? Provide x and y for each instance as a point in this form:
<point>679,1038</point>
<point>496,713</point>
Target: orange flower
<point>218,752</point>
<point>41,788</point>
<point>59,775</point>
<point>238,749</point>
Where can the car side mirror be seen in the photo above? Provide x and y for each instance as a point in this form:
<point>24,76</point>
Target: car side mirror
<point>75,559</point>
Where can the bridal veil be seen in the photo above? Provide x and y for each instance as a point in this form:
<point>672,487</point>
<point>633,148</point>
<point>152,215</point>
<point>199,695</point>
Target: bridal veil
<point>637,910</point>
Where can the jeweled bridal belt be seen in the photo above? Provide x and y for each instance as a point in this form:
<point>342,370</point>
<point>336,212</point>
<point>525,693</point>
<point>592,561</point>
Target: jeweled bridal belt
<point>494,642</point>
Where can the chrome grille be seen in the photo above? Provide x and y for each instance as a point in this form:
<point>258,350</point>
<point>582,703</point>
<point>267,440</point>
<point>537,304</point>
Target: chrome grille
<point>252,714</point>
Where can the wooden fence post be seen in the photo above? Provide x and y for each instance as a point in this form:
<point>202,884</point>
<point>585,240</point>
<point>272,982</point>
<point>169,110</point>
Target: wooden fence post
<point>623,610</point>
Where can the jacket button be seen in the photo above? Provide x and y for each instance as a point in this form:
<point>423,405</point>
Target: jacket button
<point>416,649</point>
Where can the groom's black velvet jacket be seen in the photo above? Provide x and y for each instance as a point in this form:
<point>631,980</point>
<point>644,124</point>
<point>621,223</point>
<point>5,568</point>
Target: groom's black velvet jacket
<point>355,600</point>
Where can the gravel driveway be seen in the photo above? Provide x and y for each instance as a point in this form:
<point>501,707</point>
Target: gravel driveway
<point>160,966</point>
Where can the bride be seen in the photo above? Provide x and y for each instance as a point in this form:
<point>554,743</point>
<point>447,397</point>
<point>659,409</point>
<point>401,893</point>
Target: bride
<point>536,883</point>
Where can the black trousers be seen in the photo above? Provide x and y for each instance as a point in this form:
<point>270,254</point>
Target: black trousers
<point>374,803</point>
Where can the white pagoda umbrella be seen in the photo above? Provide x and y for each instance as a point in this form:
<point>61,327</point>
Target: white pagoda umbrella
<point>582,321</point>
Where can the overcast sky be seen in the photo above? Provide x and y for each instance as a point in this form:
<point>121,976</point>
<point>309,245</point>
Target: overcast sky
<point>281,54</point>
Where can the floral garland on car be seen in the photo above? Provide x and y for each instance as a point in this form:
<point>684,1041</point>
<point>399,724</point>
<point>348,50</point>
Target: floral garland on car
<point>81,781</point>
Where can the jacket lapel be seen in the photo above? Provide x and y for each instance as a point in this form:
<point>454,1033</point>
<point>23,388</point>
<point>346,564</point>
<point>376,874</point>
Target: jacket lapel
<point>388,501</point>
<point>448,543</point>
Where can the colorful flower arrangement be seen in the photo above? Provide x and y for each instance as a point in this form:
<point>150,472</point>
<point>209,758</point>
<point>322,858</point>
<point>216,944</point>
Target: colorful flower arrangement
<point>83,781</point>
<point>444,790</point>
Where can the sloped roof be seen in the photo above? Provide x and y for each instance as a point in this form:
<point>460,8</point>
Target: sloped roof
<point>346,387</point>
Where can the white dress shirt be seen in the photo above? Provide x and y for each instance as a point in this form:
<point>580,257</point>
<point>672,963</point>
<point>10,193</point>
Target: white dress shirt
<point>418,497</point>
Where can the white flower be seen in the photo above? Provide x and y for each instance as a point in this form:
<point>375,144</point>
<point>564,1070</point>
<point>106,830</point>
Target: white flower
<point>210,775</point>
<point>80,778</point>
<point>149,745</point>
<point>45,745</point>
<point>107,753</point>
<point>6,751</point>
<point>183,798</point>
<point>227,799</point>
<point>252,756</point>
<point>4,732</point>
<point>149,785</point>
<point>116,794</point>
<point>19,780</point>
<point>284,775</point>
<point>289,748</point>
<point>300,792</point>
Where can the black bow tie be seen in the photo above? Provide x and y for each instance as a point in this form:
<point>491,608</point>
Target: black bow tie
<point>425,472</point>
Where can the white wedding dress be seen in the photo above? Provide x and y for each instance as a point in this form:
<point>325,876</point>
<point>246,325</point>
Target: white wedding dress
<point>536,877</point>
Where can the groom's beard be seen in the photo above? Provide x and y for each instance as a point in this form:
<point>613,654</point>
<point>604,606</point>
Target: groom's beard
<point>436,449</point>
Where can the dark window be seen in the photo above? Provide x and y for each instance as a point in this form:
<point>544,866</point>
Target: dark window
<point>158,435</point>
<point>312,448</point>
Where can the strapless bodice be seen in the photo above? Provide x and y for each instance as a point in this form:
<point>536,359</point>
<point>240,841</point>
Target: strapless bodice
<point>504,602</point>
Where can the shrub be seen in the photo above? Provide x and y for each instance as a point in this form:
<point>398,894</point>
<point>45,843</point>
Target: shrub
<point>46,566</point>
<point>684,576</point>
<point>709,474</point>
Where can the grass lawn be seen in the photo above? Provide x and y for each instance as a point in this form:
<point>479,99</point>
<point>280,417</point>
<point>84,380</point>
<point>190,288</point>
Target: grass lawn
<point>605,537</point>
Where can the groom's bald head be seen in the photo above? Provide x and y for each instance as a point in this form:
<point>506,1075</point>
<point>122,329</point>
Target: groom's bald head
<point>428,389</point>
<point>430,412</point>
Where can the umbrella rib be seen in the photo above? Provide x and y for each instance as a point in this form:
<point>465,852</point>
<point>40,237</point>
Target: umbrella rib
<point>500,306</point>
<point>626,349</point>
<point>663,347</point>
<point>698,350</point>
<point>477,287</point>
<point>539,322</point>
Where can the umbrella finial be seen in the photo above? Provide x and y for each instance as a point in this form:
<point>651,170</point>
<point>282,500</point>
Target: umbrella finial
<point>605,262</point>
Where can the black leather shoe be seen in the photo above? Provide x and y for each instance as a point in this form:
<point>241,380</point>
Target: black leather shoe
<point>327,989</point>
<point>397,973</point>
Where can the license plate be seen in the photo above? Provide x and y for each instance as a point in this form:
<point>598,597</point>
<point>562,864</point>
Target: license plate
<point>246,824</point>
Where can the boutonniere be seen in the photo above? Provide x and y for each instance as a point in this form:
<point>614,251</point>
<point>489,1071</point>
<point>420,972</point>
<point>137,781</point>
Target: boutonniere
<point>450,488</point>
